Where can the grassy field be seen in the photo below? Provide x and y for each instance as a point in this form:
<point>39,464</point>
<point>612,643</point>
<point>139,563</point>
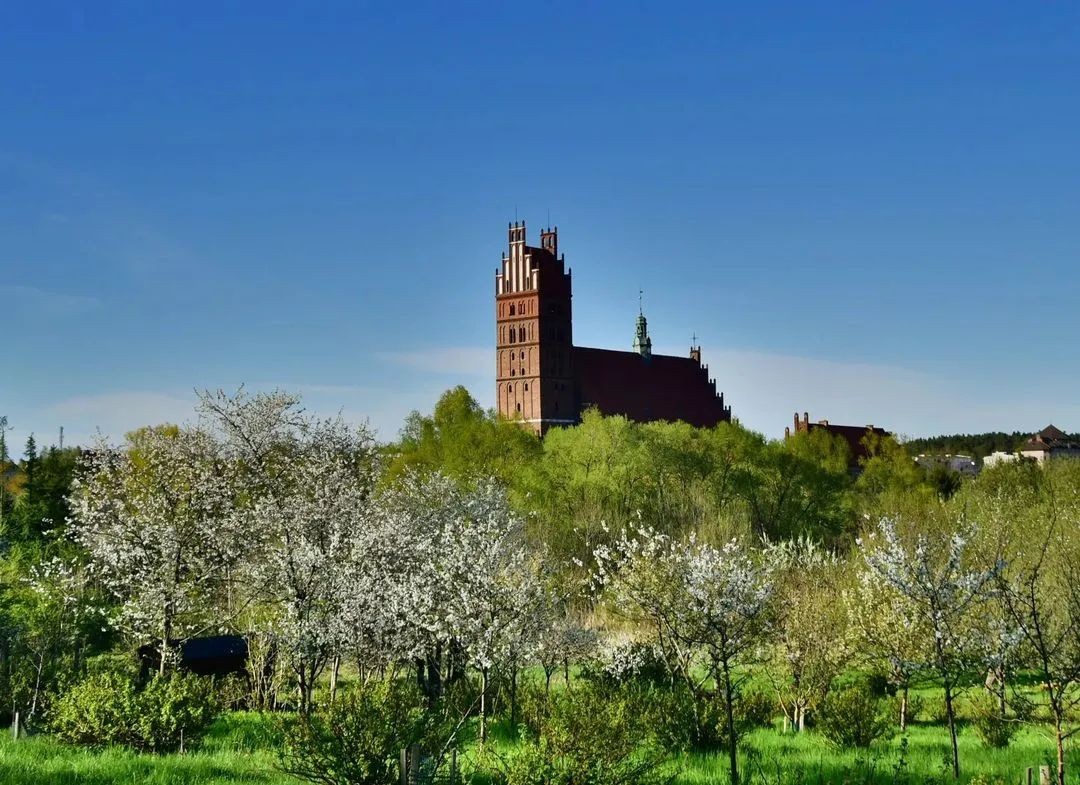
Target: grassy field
<point>239,749</point>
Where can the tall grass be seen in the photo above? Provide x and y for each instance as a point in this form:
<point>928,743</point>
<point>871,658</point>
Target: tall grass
<point>240,748</point>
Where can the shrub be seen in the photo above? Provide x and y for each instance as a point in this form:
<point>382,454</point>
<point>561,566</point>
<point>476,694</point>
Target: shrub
<point>853,717</point>
<point>755,709</point>
<point>174,709</point>
<point>994,729</point>
<point>357,739</point>
<point>591,735</point>
<point>105,708</point>
<point>97,711</point>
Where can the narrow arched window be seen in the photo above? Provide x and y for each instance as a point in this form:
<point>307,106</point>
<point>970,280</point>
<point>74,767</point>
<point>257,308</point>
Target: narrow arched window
<point>511,310</point>
<point>521,334</point>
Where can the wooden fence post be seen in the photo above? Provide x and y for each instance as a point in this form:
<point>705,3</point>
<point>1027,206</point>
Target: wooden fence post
<point>15,727</point>
<point>404,780</point>
<point>1044,775</point>
<point>1029,773</point>
<point>453,767</point>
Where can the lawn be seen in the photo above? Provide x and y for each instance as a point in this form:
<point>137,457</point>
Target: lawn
<point>240,749</point>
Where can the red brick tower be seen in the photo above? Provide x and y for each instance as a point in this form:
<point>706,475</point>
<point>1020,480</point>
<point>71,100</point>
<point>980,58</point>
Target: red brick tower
<point>534,338</point>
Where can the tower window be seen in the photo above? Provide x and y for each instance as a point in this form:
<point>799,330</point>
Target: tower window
<point>511,309</point>
<point>526,386</point>
<point>519,407</point>
<point>509,388</point>
<point>511,371</point>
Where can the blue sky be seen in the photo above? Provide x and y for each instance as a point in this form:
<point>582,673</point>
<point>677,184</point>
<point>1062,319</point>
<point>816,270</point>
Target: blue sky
<point>865,210</point>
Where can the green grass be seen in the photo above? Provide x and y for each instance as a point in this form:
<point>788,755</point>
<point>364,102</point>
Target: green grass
<point>772,757</point>
<point>240,749</point>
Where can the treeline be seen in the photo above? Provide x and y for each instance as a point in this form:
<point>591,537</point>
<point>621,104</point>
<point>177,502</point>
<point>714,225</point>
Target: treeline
<point>609,473</point>
<point>977,445</point>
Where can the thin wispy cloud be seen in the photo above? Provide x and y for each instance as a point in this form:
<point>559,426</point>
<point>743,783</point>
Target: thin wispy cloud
<point>33,301</point>
<point>448,360</point>
<point>113,414</point>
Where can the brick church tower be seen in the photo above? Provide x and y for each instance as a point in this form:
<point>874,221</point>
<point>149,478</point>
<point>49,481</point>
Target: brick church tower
<point>534,339</point>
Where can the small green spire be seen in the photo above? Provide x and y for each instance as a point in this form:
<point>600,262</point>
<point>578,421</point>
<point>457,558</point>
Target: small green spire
<point>642,341</point>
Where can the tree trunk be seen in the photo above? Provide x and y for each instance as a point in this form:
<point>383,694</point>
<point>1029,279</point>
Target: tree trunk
<point>903,708</point>
<point>334,677</point>
<point>1059,739</point>
<point>729,708</point>
<point>513,700</point>
<point>483,704</point>
<point>951,714</point>
<point>37,685</point>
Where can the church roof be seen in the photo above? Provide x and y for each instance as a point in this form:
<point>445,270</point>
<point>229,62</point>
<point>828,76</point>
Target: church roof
<point>658,387</point>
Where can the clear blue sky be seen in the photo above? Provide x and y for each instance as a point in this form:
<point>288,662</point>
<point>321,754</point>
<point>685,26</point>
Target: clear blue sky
<point>865,210</point>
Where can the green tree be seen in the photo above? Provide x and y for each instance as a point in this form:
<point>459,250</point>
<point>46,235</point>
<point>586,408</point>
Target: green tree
<point>798,486</point>
<point>463,441</point>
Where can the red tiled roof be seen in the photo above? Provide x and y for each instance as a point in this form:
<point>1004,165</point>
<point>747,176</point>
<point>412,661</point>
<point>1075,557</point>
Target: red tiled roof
<point>660,387</point>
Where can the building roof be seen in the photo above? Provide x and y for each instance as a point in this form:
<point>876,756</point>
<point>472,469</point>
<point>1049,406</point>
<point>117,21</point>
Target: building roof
<point>1051,433</point>
<point>1048,439</point>
<point>852,434</point>
<point>658,387</point>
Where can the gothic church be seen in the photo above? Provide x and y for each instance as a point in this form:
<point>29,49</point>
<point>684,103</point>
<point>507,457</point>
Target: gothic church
<point>544,381</point>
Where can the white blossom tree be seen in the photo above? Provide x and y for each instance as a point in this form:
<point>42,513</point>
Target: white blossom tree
<point>59,603</point>
<point>158,521</point>
<point>889,633</point>
<point>702,603</point>
<point>444,577</point>
<point>303,486</point>
<point>810,643</point>
<point>937,584</point>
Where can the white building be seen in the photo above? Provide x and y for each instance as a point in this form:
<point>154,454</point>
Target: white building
<point>961,464</point>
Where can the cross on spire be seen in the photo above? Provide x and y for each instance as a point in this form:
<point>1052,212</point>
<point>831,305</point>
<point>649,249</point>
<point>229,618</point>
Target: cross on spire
<point>640,301</point>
